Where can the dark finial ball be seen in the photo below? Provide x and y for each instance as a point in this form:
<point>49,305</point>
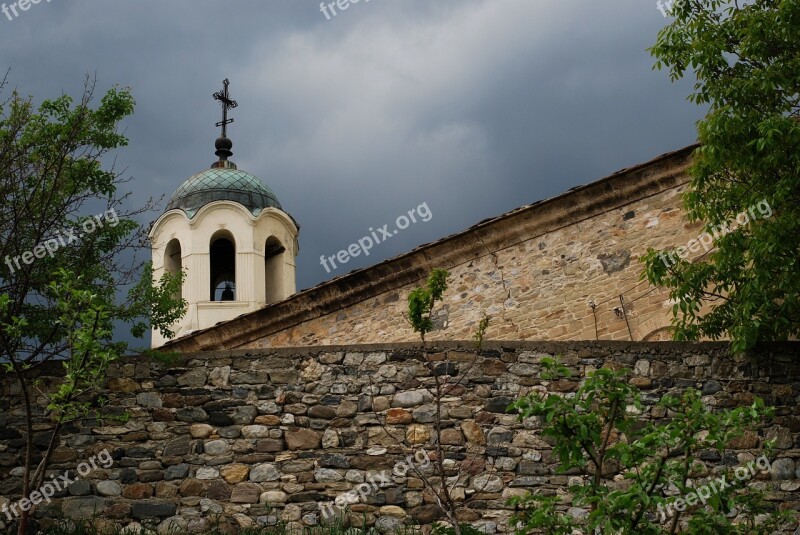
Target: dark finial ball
<point>223,143</point>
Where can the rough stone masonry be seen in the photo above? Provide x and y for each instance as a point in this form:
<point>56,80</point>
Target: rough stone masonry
<point>253,437</point>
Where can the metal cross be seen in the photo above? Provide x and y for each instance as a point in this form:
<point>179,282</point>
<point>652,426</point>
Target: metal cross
<point>227,103</point>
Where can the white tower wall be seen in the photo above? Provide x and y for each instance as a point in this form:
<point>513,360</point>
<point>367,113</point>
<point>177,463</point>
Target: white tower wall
<point>258,280</point>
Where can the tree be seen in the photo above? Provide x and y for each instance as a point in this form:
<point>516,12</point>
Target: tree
<point>60,266</point>
<point>443,482</point>
<point>421,304</point>
<point>447,484</point>
<point>745,56</point>
<point>629,465</point>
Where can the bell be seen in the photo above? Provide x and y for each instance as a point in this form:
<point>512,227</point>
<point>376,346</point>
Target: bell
<point>227,293</point>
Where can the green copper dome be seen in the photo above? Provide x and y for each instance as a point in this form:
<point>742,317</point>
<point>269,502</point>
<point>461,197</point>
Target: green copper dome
<point>223,184</point>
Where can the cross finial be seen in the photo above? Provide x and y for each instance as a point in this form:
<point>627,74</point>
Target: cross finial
<point>223,144</point>
<point>227,104</point>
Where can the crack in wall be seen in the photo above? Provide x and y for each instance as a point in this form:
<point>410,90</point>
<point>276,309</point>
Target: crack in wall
<point>506,289</point>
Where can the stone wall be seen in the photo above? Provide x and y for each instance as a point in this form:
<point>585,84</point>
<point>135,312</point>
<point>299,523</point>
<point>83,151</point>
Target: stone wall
<point>534,270</point>
<point>251,437</point>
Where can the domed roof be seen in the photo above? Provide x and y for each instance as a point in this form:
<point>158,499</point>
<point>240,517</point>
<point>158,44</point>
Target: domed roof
<point>223,184</point>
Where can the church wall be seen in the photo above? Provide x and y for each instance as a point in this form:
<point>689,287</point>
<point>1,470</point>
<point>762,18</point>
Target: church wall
<point>256,436</point>
<point>535,271</point>
<point>539,289</point>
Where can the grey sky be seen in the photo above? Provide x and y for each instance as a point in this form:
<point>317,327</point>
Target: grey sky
<point>474,107</point>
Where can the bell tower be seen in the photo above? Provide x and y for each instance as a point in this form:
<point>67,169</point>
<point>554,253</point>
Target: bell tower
<point>231,236</point>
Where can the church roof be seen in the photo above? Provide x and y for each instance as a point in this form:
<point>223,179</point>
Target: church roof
<point>223,184</point>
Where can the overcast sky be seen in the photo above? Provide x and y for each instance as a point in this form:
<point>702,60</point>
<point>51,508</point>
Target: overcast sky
<point>474,107</point>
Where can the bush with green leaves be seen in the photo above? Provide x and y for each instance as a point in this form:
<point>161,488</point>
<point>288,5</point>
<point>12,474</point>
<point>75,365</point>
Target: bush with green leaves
<point>422,300</point>
<point>632,470</point>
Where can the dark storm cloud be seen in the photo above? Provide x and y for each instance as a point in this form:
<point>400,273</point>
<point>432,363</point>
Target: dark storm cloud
<point>473,107</point>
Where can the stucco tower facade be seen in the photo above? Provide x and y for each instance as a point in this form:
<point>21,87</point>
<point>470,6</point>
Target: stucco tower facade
<point>227,231</point>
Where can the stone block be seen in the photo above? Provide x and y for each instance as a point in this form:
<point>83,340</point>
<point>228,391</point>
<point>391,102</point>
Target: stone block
<point>283,376</point>
<point>193,378</point>
<point>138,491</point>
<point>246,493</point>
<point>148,509</point>
<point>108,488</point>
<point>781,469</point>
<point>498,404</point>
<point>398,416</point>
<point>451,437</point>
<point>216,447</point>
<point>302,439</point>
<point>149,400</point>
<point>782,437</point>
<point>269,445</point>
<point>411,398</point>
<point>80,488</point>
<point>473,433</point>
<point>255,431</point>
<point>234,473</point>
<point>418,434</point>
<point>191,487</point>
<point>264,472</point>
<point>272,497</point>
<point>82,508</point>
<point>322,411</point>
<point>327,475</point>
<point>218,490</point>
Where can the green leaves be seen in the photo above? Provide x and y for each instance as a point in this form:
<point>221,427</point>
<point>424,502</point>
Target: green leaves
<point>156,304</point>
<point>480,332</point>
<point>541,512</point>
<point>746,58</point>
<point>599,433</point>
<point>421,302</point>
<point>86,319</point>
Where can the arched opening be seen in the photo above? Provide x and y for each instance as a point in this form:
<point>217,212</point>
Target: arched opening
<point>662,334</point>
<point>273,269</point>
<point>173,263</point>
<point>222,254</point>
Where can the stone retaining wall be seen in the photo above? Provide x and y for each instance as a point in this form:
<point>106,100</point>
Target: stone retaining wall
<point>252,437</point>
